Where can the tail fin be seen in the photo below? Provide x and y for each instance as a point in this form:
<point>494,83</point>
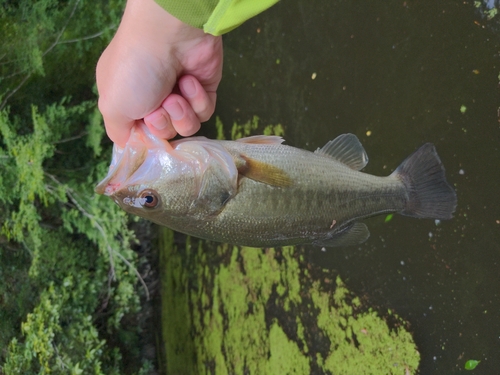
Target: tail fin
<point>430,196</point>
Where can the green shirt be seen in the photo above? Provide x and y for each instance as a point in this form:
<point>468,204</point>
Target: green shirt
<point>215,17</point>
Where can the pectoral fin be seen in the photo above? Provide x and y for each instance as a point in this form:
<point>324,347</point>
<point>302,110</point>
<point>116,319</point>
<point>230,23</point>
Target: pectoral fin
<point>353,234</point>
<point>263,172</point>
<point>215,191</point>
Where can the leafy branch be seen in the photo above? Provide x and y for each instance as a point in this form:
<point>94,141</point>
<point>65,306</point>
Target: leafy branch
<point>70,272</point>
<point>57,41</point>
<point>97,224</point>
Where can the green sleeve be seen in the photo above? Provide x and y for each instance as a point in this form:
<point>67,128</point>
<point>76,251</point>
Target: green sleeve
<point>216,17</point>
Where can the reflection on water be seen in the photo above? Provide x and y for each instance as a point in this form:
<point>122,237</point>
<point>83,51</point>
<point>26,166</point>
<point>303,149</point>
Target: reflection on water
<point>396,74</point>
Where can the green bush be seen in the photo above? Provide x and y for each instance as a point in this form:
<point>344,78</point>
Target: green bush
<point>66,264</point>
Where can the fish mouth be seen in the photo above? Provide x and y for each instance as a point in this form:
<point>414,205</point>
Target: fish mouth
<point>126,161</point>
<point>123,165</point>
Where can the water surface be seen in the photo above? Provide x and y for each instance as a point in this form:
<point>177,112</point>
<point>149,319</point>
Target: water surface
<point>396,74</point>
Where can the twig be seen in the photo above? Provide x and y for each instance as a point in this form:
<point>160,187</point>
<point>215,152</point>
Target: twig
<point>12,92</point>
<point>23,81</point>
<point>13,74</point>
<point>89,216</point>
<point>62,29</point>
<point>110,249</point>
<point>27,249</point>
<point>146,289</point>
<point>82,134</point>
<point>88,36</point>
<point>101,230</point>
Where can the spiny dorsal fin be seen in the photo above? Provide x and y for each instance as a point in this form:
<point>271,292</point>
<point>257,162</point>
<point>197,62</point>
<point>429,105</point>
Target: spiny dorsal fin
<point>263,172</point>
<point>262,140</point>
<point>346,149</point>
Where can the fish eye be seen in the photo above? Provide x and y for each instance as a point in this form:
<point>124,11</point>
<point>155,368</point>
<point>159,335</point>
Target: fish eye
<point>150,198</point>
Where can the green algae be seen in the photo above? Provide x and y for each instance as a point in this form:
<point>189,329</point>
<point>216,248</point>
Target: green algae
<point>285,356</point>
<point>248,128</point>
<point>175,328</point>
<point>368,344</point>
<point>231,310</point>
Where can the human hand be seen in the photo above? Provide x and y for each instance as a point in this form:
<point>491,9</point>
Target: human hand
<point>159,70</point>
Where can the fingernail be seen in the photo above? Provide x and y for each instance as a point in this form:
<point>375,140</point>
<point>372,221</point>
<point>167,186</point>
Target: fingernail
<point>175,111</point>
<point>158,121</point>
<point>189,87</point>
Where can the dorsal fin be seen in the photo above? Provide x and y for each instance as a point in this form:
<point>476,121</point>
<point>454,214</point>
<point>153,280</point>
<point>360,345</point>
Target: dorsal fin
<point>346,149</point>
<point>263,172</point>
<point>262,140</point>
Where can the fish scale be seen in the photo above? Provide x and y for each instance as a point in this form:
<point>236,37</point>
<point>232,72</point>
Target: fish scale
<point>300,215</point>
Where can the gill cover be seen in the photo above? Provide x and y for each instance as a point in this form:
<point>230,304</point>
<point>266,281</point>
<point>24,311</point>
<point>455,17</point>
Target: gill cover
<point>146,159</point>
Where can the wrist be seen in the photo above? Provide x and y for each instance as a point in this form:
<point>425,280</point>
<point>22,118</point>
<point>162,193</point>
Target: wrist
<point>146,22</point>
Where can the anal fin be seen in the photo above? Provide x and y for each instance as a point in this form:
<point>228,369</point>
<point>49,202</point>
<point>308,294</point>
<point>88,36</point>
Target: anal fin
<point>353,234</point>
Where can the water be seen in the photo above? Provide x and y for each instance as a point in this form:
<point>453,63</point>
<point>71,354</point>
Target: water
<point>396,74</point>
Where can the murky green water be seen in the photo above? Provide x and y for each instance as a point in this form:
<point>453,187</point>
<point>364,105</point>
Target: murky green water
<point>396,74</point>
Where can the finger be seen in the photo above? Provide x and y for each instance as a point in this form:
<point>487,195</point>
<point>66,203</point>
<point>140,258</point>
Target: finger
<point>159,124</point>
<point>183,118</point>
<point>119,134</point>
<point>202,103</point>
<point>118,130</point>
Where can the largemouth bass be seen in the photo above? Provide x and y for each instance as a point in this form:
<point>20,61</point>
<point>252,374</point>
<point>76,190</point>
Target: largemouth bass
<point>257,192</point>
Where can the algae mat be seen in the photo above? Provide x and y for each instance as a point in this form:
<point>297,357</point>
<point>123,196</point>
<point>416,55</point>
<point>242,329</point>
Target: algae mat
<point>231,310</point>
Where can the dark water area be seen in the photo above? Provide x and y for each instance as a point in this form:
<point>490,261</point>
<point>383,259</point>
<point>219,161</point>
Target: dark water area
<point>397,74</point>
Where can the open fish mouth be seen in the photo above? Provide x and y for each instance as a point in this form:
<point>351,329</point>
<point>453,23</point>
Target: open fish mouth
<point>123,165</point>
<point>126,161</point>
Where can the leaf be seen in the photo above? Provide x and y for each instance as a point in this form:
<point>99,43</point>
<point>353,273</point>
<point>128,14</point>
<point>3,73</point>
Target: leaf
<point>95,131</point>
<point>388,218</point>
<point>471,364</point>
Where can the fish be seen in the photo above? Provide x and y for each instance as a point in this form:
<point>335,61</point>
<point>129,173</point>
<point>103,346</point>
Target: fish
<point>258,192</point>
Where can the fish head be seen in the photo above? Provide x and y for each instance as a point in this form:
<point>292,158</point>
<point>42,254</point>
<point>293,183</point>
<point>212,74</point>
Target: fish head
<point>149,178</point>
